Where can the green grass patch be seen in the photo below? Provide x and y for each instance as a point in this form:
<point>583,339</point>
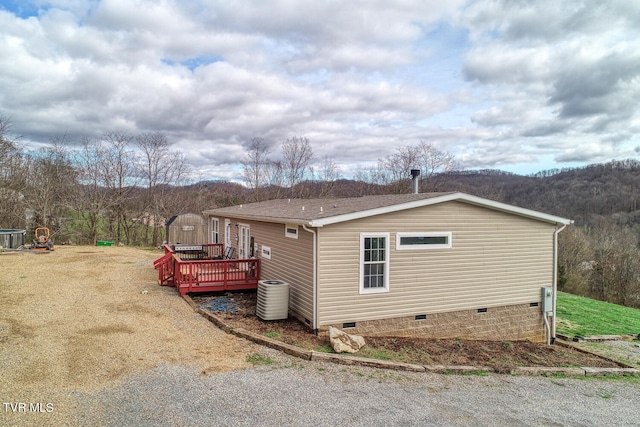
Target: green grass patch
<point>325,348</point>
<point>258,359</point>
<point>585,317</point>
<point>298,366</point>
<point>605,394</point>
<point>633,379</point>
<point>613,353</point>
<point>381,353</point>
<point>272,334</point>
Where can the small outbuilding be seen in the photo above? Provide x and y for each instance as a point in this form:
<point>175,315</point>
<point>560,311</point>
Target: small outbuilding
<point>187,228</point>
<point>12,239</point>
<point>436,265</point>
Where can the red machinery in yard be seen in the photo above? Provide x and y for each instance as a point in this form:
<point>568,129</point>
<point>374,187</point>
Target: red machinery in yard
<point>42,240</point>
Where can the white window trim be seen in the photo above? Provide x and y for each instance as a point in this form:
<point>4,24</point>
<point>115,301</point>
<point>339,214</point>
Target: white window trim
<point>244,245</point>
<point>227,233</point>
<point>215,230</point>
<point>364,290</point>
<point>401,247</point>
<point>288,234</point>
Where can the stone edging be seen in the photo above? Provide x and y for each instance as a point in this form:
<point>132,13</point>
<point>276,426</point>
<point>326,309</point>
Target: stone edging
<point>399,366</point>
<point>598,338</point>
<point>568,344</point>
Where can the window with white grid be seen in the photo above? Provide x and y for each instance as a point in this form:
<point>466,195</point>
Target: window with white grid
<point>374,262</point>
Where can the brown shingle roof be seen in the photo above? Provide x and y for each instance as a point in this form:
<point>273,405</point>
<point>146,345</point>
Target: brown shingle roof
<point>306,210</point>
<point>319,212</point>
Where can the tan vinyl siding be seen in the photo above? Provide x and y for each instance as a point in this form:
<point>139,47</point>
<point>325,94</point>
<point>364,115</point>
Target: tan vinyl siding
<point>291,261</point>
<point>497,259</point>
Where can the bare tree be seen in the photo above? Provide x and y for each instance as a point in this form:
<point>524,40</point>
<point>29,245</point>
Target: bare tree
<point>51,178</point>
<point>120,166</point>
<point>601,262</point>
<point>297,155</point>
<point>576,261</point>
<point>275,178</point>
<point>97,184</point>
<point>614,277</point>
<point>7,146</point>
<point>256,166</point>
<point>160,168</point>
<point>431,161</point>
<point>325,175</point>
<point>370,180</point>
<point>108,176</point>
<point>395,168</point>
<point>12,178</point>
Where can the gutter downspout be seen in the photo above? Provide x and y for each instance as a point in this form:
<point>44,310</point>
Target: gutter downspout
<point>315,281</point>
<point>552,336</point>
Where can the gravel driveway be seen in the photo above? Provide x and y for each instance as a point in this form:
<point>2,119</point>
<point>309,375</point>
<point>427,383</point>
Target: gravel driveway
<point>88,338</point>
<point>319,395</point>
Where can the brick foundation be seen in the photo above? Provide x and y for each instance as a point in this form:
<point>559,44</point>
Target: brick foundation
<point>513,323</point>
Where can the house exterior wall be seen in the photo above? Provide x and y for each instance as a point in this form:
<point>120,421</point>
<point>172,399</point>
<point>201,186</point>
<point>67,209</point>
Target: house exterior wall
<point>291,261</point>
<point>188,229</point>
<point>514,322</point>
<point>496,260</point>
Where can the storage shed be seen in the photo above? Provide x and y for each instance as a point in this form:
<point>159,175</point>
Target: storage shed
<point>438,265</point>
<point>12,239</point>
<point>187,228</point>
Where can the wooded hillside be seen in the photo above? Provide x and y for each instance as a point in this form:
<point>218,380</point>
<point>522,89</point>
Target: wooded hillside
<point>122,188</point>
<point>599,256</point>
<point>583,194</point>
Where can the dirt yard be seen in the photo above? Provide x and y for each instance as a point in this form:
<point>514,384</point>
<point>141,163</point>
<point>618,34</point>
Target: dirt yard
<point>238,310</point>
<point>79,319</point>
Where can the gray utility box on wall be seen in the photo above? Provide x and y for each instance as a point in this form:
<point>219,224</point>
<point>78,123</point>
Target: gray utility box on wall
<point>547,299</point>
<point>273,300</point>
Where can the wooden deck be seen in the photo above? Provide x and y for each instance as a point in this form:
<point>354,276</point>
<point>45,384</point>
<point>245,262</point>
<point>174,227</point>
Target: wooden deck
<point>201,268</point>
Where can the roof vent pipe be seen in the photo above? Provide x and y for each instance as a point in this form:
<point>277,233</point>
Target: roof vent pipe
<point>415,180</point>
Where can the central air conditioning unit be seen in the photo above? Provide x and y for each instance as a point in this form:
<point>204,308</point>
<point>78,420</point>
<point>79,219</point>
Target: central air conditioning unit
<point>273,300</point>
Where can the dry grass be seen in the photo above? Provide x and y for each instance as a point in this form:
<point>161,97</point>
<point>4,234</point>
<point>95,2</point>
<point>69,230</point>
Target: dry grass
<point>77,319</point>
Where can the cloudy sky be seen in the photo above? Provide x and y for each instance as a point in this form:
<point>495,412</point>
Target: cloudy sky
<point>521,86</point>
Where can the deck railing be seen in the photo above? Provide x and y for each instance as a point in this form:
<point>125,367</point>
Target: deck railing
<point>195,270</point>
<point>206,251</point>
<point>165,265</point>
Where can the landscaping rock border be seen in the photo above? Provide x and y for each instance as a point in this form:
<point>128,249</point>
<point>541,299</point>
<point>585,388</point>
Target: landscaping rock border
<point>400,366</point>
<point>598,338</point>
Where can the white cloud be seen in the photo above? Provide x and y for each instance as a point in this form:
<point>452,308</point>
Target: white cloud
<point>496,83</point>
